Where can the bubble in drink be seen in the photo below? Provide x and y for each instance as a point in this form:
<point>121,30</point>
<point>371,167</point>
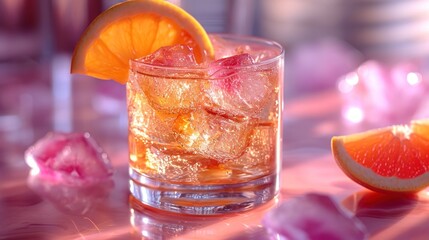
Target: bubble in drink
<point>237,88</point>
<point>179,92</point>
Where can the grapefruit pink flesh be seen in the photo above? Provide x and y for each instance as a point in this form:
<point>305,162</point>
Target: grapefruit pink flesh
<point>391,159</point>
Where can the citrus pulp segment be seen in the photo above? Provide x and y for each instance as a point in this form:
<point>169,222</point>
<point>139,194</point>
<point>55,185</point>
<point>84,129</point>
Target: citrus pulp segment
<point>131,30</point>
<point>391,159</point>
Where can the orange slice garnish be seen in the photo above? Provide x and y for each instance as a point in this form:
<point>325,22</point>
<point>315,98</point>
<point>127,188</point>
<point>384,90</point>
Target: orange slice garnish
<point>131,30</point>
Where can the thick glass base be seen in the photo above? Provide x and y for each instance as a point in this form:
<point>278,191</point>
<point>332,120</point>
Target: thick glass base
<point>203,199</point>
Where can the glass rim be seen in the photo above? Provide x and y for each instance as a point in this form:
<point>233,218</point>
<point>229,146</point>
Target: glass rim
<point>135,64</point>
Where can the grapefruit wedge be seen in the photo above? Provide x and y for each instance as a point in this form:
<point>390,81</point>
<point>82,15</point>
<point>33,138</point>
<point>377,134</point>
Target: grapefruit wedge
<point>131,30</point>
<point>393,159</point>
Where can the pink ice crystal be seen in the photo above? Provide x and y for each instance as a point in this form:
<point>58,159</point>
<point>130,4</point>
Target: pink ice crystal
<point>237,89</point>
<point>382,94</point>
<point>230,78</point>
<point>313,216</point>
<point>74,158</point>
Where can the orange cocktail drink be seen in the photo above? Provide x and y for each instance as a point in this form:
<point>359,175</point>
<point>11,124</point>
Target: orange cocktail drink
<point>204,111</point>
<point>205,138</point>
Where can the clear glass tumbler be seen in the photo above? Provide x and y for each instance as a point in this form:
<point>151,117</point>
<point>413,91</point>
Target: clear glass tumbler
<point>207,140</point>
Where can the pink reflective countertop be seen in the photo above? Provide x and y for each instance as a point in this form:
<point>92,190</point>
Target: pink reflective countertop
<point>30,209</point>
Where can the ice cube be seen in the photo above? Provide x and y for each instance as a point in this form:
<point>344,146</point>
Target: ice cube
<point>313,216</point>
<point>147,122</point>
<point>171,56</point>
<point>228,48</point>
<point>237,89</point>
<point>173,95</point>
<point>212,135</point>
<point>259,156</point>
<point>170,89</point>
<point>74,158</point>
<point>258,53</point>
<point>234,61</point>
<point>175,164</point>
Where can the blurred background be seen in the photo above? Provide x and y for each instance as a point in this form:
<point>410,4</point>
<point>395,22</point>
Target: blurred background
<point>349,65</point>
<point>325,41</point>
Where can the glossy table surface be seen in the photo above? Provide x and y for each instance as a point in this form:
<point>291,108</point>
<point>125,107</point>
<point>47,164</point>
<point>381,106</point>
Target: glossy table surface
<point>36,101</point>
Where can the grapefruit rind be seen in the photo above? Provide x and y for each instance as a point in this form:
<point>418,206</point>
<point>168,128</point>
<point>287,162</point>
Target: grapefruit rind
<point>366,176</point>
<point>128,10</point>
<point>421,127</point>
